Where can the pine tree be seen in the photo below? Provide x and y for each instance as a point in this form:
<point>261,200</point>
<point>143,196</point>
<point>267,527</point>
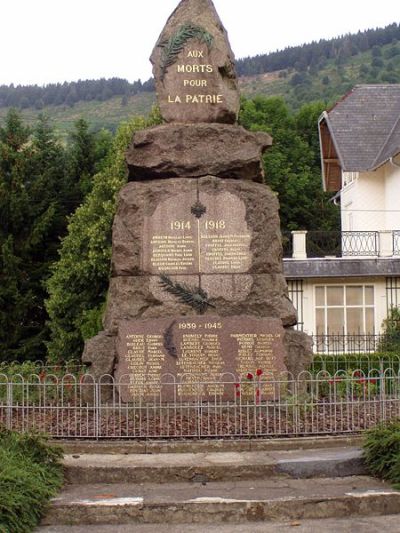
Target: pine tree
<point>33,210</point>
<point>82,160</point>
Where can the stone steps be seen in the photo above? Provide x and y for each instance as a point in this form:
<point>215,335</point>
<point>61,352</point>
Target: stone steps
<point>246,501</point>
<point>116,489</point>
<point>212,466</point>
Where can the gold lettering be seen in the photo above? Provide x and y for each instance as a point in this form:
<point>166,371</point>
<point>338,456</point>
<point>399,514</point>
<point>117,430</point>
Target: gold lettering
<point>195,53</point>
<point>176,100</point>
<point>204,98</point>
<point>195,83</point>
<point>196,69</point>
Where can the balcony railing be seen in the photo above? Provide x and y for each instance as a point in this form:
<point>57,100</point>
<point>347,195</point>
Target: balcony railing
<point>363,244</point>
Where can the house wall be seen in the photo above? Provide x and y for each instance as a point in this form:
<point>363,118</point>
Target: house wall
<point>363,202</point>
<point>372,201</point>
<point>309,302</point>
<point>392,196</point>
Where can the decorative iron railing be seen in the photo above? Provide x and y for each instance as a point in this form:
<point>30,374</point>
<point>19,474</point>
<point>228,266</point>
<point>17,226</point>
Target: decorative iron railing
<point>342,244</point>
<point>338,243</point>
<point>313,403</point>
<point>360,243</point>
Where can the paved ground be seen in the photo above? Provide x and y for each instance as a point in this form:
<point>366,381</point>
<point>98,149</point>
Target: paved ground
<point>381,524</point>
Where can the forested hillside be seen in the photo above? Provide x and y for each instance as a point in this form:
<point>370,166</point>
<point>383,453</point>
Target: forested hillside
<point>315,54</point>
<point>323,70</point>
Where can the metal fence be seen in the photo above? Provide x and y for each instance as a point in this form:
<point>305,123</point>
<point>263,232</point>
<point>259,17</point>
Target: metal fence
<point>343,243</point>
<point>356,343</point>
<point>314,403</point>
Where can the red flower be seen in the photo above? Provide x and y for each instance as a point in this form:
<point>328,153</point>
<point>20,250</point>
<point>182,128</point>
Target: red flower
<point>331,381</point>
<point>238,394</point>
<point>237,385</point>
<point>258,392</point>
<point>373,381</point>
<point>259,372</point>
<point>357,374</point>
<point>250,376</point>
<point>42,376</point>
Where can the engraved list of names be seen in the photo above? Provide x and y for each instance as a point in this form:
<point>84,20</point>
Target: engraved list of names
<point>201,354</point>
<point>176,241</point>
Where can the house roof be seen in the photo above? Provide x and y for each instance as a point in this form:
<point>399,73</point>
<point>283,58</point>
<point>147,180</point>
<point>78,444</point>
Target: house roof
<point>365,126</point>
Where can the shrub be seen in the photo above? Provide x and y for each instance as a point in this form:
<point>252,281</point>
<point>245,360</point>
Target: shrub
<point>391,325</point>
<point>382,452</point>
<point>30,474</point>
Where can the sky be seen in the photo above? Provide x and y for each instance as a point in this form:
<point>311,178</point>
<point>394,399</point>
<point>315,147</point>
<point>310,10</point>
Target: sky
<point>46,41</point>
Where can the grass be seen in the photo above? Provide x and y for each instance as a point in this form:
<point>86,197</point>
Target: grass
<point>382,452</point>
<point>30,474</point>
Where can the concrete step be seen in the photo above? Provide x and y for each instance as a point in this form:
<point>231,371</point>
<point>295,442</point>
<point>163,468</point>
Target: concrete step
<point>214,466</point>
<point>274,499</point>
<point>202,446</point>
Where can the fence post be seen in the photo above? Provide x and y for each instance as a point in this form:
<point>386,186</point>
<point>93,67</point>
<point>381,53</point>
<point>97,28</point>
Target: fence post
<point>382,391</point>
<point>385,244</point>
<point>97,407</point>
<point>299,244</point>
<point>9,405</point>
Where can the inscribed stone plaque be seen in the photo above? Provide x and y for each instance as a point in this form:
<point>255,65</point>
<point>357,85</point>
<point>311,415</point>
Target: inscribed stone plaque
<point>193,67</point>
<point>207,356</point>
<point>197,233</point>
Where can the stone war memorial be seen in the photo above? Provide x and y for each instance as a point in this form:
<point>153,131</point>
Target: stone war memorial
<point>197,304</point>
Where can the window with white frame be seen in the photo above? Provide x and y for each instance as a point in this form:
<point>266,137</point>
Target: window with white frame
<point>344,310</point>
<point>349,177</point>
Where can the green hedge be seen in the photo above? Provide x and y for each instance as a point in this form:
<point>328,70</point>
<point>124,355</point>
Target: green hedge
<point>382,452</point>
<point>30,474</point>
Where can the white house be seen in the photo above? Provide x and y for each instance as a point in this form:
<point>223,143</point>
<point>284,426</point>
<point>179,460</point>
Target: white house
<point>345,284</point>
